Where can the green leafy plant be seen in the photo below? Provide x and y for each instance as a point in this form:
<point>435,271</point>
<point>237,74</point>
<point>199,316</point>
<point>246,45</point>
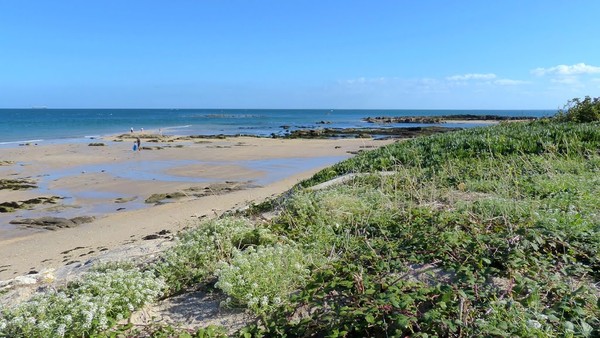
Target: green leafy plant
<point>262,278</point>
<point>580,110</point>
<point>92,304</point>
<point>197,252</point>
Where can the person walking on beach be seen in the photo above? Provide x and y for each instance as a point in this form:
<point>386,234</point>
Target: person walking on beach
<point>138,143</point>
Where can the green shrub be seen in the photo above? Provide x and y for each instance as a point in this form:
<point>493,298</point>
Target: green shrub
<point>195,256</point>
<point>262,278</point>
<point>578,110</point>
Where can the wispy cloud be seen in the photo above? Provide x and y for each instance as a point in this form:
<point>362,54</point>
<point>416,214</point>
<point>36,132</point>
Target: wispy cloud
<point>483,78</point>
<point>365,80</point>
<point>568,80</point>
<point>509,82</point>
<point>566,70</point>
<point>432,84</point>
<point>471,76</point>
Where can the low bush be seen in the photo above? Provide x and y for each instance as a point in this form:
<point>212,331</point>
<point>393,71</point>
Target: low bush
<point>578,110</point>
<point>92,304</point>
<point>262,278</point>
<point>197,252</point>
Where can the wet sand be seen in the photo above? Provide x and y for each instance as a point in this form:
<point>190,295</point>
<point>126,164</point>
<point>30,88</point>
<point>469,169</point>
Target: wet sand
<point>112,184</point>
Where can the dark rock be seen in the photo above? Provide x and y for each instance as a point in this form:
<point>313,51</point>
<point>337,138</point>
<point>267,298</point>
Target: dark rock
<point>82,219</point>
<point>156,198</point>
<point>11,206</point>
<point>52,223</point>
<point>5,209</point>
<point>443,118</point>
<point>16,184</point>
<point>368,132</point>
<point>125,199</point>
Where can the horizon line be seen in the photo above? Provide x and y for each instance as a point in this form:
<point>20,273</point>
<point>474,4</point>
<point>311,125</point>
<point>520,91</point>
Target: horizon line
<point>213,108</point>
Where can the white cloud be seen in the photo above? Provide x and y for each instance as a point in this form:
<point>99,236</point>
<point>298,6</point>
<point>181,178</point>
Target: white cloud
<point>566,70</point>
<point>364,80</point>
<point>569,80</point>
<point>472,76</point>
<point>509,82</point>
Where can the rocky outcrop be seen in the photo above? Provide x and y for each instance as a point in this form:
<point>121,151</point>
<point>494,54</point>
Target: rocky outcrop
<point>16,184</point>
<point>212,189</point>
<point>368,132</point>
<point>443,118</point>
<point>52,223</point>
<point>403,119</point>
<point>11,206</point>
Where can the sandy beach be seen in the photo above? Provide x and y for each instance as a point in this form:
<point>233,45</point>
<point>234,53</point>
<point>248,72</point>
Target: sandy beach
<point>113,186</point>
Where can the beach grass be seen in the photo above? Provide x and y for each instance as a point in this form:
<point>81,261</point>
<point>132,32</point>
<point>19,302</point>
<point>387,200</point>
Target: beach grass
<point>491,231</point>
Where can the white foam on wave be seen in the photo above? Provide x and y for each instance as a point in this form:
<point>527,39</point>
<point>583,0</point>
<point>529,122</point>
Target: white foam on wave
<point>17,142</point>
<point>178,127</point>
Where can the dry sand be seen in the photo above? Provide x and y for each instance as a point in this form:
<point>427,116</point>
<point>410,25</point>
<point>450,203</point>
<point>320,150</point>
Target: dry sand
<point>91,178</point>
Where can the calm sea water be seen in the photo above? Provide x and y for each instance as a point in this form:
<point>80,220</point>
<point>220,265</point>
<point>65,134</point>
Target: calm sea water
<point>52,125</point>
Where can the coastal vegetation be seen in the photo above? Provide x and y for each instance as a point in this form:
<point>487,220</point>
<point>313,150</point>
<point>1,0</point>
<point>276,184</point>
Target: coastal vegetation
<point>580,110</point>
<point>489,231</point>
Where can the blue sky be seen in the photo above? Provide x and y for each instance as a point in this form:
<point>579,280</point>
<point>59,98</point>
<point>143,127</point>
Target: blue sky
<point>511,54</point>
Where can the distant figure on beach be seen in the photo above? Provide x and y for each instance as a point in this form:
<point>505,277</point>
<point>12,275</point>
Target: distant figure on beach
<point>138,143</point>
<point>132,130</point>
<point>142,130</point>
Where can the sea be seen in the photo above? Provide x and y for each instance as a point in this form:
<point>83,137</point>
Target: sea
<point>18,126</point>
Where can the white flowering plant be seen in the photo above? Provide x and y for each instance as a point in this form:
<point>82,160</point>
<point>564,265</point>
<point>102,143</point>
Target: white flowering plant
<point>92,304</point>
<point>198,251</point>
<point>262,278</point>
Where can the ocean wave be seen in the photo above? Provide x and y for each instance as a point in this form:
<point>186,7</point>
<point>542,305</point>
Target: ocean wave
<point>17,142</point>
<point>177,127</point>
<point>223,116</point>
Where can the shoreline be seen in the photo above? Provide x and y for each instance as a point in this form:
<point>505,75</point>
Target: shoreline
<point>212,175</point>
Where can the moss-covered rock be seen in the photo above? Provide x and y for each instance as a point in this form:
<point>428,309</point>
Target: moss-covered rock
<point>16,184</point>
